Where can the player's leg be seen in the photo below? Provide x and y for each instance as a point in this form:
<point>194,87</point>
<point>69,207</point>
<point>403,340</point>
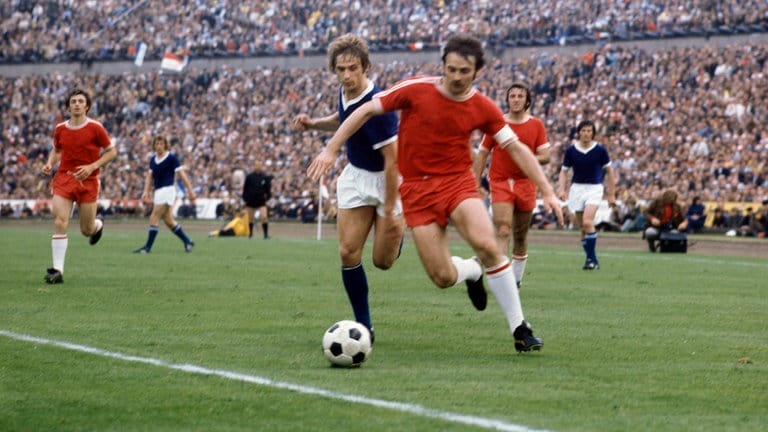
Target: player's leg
<point>472,222</point>
<point>264,216</point>
<point>354,224</point>
<point>471,271</point>
<point>589,234</point>
<point>521,222</point>
<point>158,210</point>
<point>445,271</point>
<point>62,209</point>
<point>89,225</point>
<point>524,202</point>
<point>166,213</point>
<point>387,240</point>
<point>86,195</point>
<point>250,211</point>
<point>502,221</point>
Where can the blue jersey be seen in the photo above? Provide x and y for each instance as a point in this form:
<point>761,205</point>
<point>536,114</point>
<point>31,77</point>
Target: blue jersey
<point>164,170</point>
<point>363,146</point>
<point>587,164</point>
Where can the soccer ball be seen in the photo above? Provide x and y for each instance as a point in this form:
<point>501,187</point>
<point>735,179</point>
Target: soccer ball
<point>347,343</point>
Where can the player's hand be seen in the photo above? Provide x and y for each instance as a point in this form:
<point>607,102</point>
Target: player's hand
<point>83,172</point>
<point>321,165</point>
<point>553,204</point>
<point>302,122</point>
<point>47,168</point>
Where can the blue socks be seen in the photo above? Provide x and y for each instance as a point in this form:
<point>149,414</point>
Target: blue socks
<point>356,285</point>
<point>153,230</point>
<point>180,234</point>
<point>589,243</point>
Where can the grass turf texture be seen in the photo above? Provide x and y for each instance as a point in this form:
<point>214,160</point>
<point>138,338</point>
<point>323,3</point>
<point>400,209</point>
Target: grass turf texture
<point>650,342</point>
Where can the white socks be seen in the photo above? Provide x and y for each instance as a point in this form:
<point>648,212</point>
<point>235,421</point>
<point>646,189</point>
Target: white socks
<point>501,282</point>
<point>467,269</point>
<point>518,266</point>
<point>59,244</point>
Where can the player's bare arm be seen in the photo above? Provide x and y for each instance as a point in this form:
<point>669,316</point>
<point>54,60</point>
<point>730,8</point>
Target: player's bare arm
<point>53,159</point>
<point>328,123</point>
<point>145,194</point>
<point>327,158</point>
<point>478,164</point>
<point>530,166</point>
<point>187,184</point>
<point>392,178</point>
<point>610,186</point>
<point>543,155</point>
<point>562,181</point>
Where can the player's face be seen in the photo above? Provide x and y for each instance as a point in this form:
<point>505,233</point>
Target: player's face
<point>458,74</point>
<point>516,100</point>
<point>78,105</point>
<point>160,147</point>
<point>350,74</point>
<point>586,135</point>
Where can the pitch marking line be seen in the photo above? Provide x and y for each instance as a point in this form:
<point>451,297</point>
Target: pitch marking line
<point>485,423</point>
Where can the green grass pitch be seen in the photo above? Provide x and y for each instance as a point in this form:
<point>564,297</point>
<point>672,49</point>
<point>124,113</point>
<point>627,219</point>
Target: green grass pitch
<point>227,338</point>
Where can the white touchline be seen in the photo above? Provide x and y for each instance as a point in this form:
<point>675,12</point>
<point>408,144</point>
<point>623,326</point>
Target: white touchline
<point>485,423</point>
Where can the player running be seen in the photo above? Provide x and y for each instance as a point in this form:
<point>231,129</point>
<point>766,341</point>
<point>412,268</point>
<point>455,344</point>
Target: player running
<point>513,194</point>
<point>438,115</point>
<point>367,187</point>
<point>81,147</point>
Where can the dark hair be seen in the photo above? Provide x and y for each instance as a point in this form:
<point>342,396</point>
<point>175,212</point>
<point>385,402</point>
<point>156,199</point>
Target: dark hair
<point>79,91</point>
<point>465,46</point>
<point>586,123</point>
<point>520,85</point>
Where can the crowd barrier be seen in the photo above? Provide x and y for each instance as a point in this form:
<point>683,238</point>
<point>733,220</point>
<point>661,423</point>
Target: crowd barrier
<point>205,208</point>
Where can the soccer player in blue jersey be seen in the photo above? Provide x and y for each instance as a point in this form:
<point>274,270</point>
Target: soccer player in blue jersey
<point>591,166</point>
<point>367,187</point>
<point>163,167</point>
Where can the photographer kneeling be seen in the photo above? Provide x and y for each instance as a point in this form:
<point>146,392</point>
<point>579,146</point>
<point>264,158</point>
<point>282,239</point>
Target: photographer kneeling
<point>665,216</point>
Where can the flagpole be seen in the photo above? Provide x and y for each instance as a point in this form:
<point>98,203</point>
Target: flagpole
<point>320,209</point>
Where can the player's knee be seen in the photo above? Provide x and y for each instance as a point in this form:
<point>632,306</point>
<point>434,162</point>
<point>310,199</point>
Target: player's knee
<point>443,281</point>
<point>61,223</point>
<point>383,263</point>
<point>503,230</point>
<point>349,256</point>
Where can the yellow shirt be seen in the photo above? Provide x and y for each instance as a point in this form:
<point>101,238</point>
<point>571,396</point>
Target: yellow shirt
<point>239,226</point>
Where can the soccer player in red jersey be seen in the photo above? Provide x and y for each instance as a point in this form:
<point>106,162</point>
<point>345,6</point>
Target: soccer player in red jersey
<point>513,194</point>
<point>81,147</point>
<point>437,118</point>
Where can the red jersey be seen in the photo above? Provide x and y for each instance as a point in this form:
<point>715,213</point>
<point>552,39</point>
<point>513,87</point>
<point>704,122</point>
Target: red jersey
<point>80,145</point>
<point>530,132</point>
<point>436,128</point>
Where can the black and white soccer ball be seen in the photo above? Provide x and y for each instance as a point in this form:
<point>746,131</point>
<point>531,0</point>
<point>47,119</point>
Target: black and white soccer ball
<point>347,343</point>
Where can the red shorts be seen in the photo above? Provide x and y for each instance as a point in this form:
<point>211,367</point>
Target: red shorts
<point>519,193</point>
<point>84,192</point>
<point>433,199</point>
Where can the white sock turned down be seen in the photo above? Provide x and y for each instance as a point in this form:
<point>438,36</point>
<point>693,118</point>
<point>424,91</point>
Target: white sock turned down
<point>467,269</point>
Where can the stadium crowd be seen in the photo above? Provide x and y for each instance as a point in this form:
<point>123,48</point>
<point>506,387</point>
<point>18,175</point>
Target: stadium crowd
<point>87,31</point>
<point>686,118</point>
